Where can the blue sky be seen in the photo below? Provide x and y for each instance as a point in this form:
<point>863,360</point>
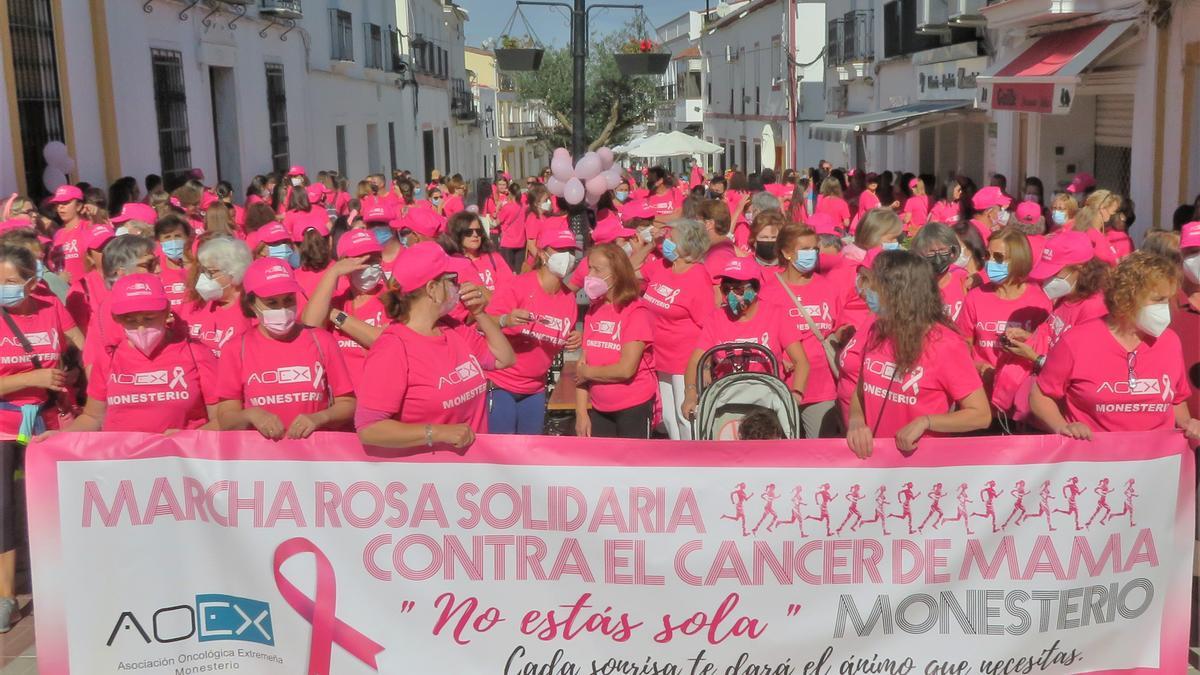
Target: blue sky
<point>551,25</point>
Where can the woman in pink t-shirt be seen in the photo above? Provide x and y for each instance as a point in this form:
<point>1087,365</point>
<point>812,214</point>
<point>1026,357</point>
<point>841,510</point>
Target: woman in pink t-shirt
<point>916,375</point>
<point>312,242</point>
<point>537,312</point>
<point>68,251</point>
<point>434,392</point>
<point>158,379</point>
<point>1090,221</point>
<point>938,244</point>
<point>281,377</point>
<point>466,238</point>
<point>214,313</point>
<point>174,237</point>
<point>830,201</point>
<point>881,229</point>
<point>948,209</point>
<point>1125,373</point>
<point>679,292</point>
<point>539,209</point>
<point>456,192</point>
<point>916,207</point>
<point>510,217</point>
<point>616,374</point>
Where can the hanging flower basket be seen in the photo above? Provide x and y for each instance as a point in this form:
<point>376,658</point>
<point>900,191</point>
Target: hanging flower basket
<point>519,53</point>
<point>641,57</point>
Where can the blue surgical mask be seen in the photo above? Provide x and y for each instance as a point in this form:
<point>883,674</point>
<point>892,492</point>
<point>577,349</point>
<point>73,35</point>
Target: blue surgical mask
<point>997,272</point>
<point>670,250</point>
<point>173,249</point>
<point>621,196</point>
<point>11,295</point>
<point>1059,217</point>
<point>806,260</point>
<point>739,303</point>
<point>871,297</point>
<point>383,234</point>
<point>436,201</point>
<point>417,192</point>
<point>283,252</point>
<point>891,246</point>
<point>404,241</point>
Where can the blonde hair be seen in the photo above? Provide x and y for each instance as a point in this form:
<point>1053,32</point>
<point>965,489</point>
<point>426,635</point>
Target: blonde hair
<point>1103,199</point>
<point>875,225</point>
<point>1065,202</point>
<point>1088,218</point>
<point>1020,255</point>
<point>831,187</point>
<point>1132,282</point>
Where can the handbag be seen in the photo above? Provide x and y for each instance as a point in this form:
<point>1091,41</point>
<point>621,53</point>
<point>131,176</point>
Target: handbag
<point>830,353</point>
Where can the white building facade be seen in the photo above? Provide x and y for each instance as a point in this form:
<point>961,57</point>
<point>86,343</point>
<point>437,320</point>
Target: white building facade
<point>762,86</point>
<point>681,97</point>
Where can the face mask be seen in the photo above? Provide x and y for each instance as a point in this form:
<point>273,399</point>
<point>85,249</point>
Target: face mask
<point>1191,268</point>
<point>297,181</point>
<point>1002,217</point>
<point>383,234</point>
<point>417,192</point>
<point>173,249</point>
<point>765,250</point>
<point>436,201</point>
<point>941,262</point>
<point>367,278</point>
<point>208,289</point>
<point>122,230</point>
<point>403,241</point>
<point>621,196</point>
<point>41,270</point>
<point>146,338</point>
<point>1057,287</point>
<point>871,297</point>
<point>1154,319</point>
<point>1059,217</point>
<point>628,248</point>
<point>806,260</point>
<point>559,263</point>
<point>1031,197</point>
<point>997,271</point>
<point>715,195</point>
<point>451,300</point>
<point>670,250</point>
<point>594,287</point>
<point>891,246</point>
<point>280,252</point>
<point>738,304</point>
<point>646,235</point>
<point>278,322</point>
<point>547,206</point>
<point>11,295</point>
<point>963,260</point>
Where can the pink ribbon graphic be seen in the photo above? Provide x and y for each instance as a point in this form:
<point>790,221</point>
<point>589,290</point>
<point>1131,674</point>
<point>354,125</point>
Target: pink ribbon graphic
<point>327,628</point>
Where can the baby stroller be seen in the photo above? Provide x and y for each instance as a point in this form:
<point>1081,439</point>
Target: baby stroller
<point>728,391</point>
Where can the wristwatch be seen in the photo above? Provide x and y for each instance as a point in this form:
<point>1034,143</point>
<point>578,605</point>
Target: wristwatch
<point>1039,363</point>
<point>339,319</point>
<point>429,435</point>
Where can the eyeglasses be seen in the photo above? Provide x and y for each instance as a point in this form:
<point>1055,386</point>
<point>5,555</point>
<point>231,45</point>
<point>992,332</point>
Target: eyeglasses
<point>473,232</point>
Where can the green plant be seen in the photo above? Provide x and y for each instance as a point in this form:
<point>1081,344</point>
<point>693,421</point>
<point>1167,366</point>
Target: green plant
<point>510,42</point>
<point>637,46</point>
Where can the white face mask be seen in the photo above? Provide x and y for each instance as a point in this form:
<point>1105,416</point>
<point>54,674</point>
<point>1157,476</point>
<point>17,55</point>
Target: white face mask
<point>963,260</point>
<point>646,234</point>
<point>559,263</point>
<point>1191,268</point>
<point>628,248</point>
<point>1002,217</point>
<point>1154,319</point>
<point>297,181</point>
<point>450,301</point>
<point>122,230</point>
<point>367,278</point>
<point>278,321</point>
<point>1057,287</point>
<point>547,206</point>
<point>208,289</point>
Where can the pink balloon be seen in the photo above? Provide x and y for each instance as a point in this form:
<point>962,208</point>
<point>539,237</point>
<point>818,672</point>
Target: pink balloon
<point>574,192</point>
<point>613,177</point>
<point>555,186</point>
<point>562,169</point>
<point>561,152</point>
<point>596,187</point>
<point>606,158</point>
<point>587,168</point>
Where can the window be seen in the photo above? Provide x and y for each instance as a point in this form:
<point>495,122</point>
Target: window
<point>170,106</point>
<point>691,84</point>
<point>757,100</point>
<point>757,157</point>
<point>776,62</point>
<point>395,46</point>
<point>900,34</point>
<point>743,100</point>
<point>731,101</point>
<point>35,70</point>
<point>446,147</point>
<point>374,46</point>
<point>374,163</point>
<point>277,117</point>
<point>392,145</point>
<point>341,35</point>
<point>708,92</point>
<point>340,131</point>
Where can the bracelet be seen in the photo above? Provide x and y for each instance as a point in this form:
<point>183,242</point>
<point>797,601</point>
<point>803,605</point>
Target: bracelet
<point>1039,363</point>
<point>503,320</point>
<point>429,435</point>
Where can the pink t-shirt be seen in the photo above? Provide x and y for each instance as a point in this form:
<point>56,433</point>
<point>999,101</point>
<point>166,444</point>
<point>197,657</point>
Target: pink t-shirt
<point>45,325</point>
<point>822,302</point>
<point>942,376</point>
<point>605,331</point>
<point>954,292</point>
<point>289,378</point>
<point>452,205</point>
<point>492,270</point>
<point>174,282</point>
<point>866,201</point>
<point>680,304</point>
<point>512,225</point>
<point>664,204</point>
<point>854,309</point>
<point>1121,244</point>
<point>69,244</point>
<point>214,325</point>
<point>1110,389</point>
<point>718,256</point>
<point>537,342</point>
<point>946,213</point>
<point>370,311</point>
<point>768,327</point>
<point>1068,314</point>
<point>1103,247</point>
<point>152,394</point>
<point>850,366</point>
<point>986,316</point>
<point>308,280</point>
<point>295,220</point>
<point>1185,321</point>
<point>430,379</point>
<point>917,208</point>
<point>984,230</point>
<point>834,206</point>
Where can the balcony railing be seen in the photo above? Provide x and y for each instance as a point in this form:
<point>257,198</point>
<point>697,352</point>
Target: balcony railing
<point>284,8</point>
<point>851,39</point>
<point>518,129</point>
<point>462,102</point>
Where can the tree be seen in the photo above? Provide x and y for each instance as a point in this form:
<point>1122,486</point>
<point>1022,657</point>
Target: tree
<point>615,103</point>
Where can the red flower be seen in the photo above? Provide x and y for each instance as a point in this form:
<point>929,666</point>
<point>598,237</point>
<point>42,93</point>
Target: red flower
<point>646,45</point>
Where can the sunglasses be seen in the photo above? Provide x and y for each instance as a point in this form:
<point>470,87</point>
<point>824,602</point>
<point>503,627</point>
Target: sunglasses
<point>473,232</point>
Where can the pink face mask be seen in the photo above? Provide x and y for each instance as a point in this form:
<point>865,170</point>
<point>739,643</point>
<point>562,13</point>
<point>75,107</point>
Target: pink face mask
<point>594,287</point>
<point>146,338</point>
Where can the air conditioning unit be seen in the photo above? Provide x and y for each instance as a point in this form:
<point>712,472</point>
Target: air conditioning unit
<point>966,13</point>
<point>933,17</point>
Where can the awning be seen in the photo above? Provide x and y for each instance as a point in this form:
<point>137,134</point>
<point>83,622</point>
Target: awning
<point>841,129</point>
<point>1043,74</point>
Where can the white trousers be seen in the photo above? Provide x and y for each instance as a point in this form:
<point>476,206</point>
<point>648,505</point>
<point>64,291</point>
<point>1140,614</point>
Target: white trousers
<point>671,392</point>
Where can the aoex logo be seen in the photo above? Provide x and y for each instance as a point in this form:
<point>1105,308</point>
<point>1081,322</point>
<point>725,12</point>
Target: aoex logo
<point>214,618</point>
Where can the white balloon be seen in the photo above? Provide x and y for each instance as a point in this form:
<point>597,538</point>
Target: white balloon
<point>555,186</point>
<point>561,168</point>
<point>53,178</point>
<point>606,158</point>
<point>574,192</point>
<point>613,177</point>
<point>54,153</point>
<point>588,167</point>
<point>596,187</point>
<point>561,152</point>
<point>66,166</point>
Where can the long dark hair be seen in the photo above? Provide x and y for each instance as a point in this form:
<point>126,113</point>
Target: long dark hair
<point>911,303</point>
<point>456,230</point>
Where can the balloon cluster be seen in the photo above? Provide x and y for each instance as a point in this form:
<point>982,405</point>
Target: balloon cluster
<point>58,165</point>
<point>594,174</point>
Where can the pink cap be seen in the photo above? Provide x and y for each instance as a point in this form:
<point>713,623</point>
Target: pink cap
<point>423,221</point>
<point>1065,248</point>
<point>139,292</point>
<point>271,233</point>
<point>97,236</point>
<point>296,171</point>
<point>321,225</point>
<point>1082,182</point>
<point>267,277</point>
<point>559,239</point>
<point>823,223</point>
<point>358,242</point>
<point>14,224</point>
<point>1189,236</point>
<point>419,265</point>
<point>912,183</point>
<point>988,197</point>
<point>66,193</point>
<point>378,213</point>
<point>136,211</point>
<point>207,199</point>
<point>1029,213</point>
<point>637,209</point>
<point>316,193</point>
<point>610,229</point>
<point>742,269</point>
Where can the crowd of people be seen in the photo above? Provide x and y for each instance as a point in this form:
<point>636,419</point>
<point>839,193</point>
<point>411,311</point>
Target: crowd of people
<point>420,314</point>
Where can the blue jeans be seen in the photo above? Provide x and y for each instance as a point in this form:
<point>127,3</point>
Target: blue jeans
<point>510,413</point>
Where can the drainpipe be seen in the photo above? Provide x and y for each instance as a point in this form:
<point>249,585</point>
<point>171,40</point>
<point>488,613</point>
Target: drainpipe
<point>791,84</point>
